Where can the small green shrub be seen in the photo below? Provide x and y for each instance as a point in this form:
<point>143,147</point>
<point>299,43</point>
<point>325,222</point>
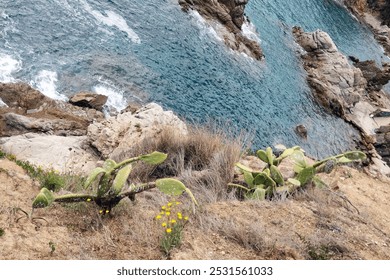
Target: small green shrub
<point>2,232</point>
<point>52,180</point>
<point>2,154</point>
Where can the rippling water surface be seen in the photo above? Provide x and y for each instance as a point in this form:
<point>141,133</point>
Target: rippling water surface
<point>151,51</point>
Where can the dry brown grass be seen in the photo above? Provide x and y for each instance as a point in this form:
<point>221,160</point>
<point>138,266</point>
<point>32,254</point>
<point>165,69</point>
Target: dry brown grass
<point>203,160</point>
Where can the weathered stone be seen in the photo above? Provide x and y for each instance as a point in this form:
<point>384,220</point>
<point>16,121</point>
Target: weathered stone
<point>301,130</point>
<point>116,134</point>
<point>64,154</point>
<point>89,100</point>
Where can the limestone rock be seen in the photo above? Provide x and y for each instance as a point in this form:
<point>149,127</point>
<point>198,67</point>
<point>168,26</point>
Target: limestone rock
<point>64,154</point>
<point>89,100</point>
<point>116,134</point>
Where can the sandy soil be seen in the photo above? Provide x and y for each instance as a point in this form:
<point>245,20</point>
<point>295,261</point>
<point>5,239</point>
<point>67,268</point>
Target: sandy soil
<point>350,220</point>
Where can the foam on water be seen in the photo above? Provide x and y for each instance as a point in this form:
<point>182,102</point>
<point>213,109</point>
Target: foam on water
<point>115,96</point>
<point>45,82</point>
<point>8,66</point>
<point>113,19</point>
<point>205,28</point>
<point>249,31</point>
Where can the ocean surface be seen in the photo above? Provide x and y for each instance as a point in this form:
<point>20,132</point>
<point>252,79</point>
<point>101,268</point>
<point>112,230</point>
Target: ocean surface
<point>142,51</point>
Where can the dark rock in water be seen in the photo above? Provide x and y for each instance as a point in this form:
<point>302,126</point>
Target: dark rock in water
<point>301,130</point>
<point>230,13</point>
<point>375,76</point>
<point>89,100</point>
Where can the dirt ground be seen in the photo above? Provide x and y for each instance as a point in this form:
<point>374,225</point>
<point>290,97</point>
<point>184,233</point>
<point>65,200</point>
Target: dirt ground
<point>348,220</point>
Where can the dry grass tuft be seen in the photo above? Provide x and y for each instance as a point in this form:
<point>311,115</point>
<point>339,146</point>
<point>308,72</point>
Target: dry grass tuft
<point>203,159</point>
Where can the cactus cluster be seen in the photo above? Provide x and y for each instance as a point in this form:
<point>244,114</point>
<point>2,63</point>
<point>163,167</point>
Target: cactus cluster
<point>112,185</point>
<point>262,184</point>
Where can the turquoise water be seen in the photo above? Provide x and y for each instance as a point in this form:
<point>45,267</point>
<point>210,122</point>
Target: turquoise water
<point>151,51</point>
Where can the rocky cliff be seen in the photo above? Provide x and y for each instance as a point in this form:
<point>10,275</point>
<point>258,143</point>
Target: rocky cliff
<point>352,92</point>
<point>230,14</point>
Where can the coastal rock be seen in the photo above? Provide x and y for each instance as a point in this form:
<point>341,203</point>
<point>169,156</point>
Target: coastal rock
<point>116,134</point>
<point>64,154</point>
<point>343,89</point>
<point>230,14</point>
<point>28,110</point>
<point>89,100</point>
<point>376,77</point>
<point>336,85</point>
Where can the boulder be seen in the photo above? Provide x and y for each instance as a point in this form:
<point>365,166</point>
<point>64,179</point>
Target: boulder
<point>64,154</point>
<point>116,134</point>
<point>89,100</point>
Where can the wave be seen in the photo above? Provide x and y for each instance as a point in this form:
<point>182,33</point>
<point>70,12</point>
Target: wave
<point>249,31</point>
<point>8,66</point>
<point>205,28</point>
<point>115,96</point>
<point>46,82</point>
<point>113,19</point>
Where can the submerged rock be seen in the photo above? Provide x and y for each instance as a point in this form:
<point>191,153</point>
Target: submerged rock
<point>230,14</point>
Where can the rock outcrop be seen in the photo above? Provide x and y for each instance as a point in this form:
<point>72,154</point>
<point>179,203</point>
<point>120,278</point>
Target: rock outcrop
<point>89,100</point>
<point>229,13</point>
<point>28,110</point>
<point>61,136</point>
<point>376,14</point>
<point>342,88</point>
<point>117,134</point>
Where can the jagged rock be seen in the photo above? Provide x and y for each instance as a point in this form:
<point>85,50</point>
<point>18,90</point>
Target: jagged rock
<point>64,154</point>
<point>342,89</point>
<point>229,13</point>
<point>116,134</point>
<point>28,110</point>
<point>89,100</point>
<point>375,76</point>
<point>301,130</point>
<point>18,124</point>
<point>336,85</point>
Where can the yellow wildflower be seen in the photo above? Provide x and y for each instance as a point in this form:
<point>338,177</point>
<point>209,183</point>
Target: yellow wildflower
<point>168,230</point>
<point>162,213</point>
<point>177,203</point>
<point>167,213</point>
<point>163,207</point>
<point>164,224</point>
<point>186,218</point>
<point>88,199</point>
<point>179,216</point>
<point>173,221</point>
<point>158,217</point>
<point>100,211</point>
<point>169,204</point>
<point>107,211</point>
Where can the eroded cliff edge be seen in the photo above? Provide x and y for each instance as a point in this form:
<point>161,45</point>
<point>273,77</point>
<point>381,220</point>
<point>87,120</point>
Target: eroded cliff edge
<point>231,15</point>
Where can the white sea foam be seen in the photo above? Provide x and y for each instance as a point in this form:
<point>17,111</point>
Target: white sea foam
<point>204,26</point>
<point>249,31</point>
<point>46,82</point>
<point>8,66</point>
<point>113,19</point>
<point>115,96</point>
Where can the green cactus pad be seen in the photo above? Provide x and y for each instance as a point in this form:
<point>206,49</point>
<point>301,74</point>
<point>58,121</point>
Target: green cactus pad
<point>93,176</point>
<point>276,175</point>
<point>109,165</point>
<point>154,158</point>
<point>355,155</point>
<point>258,194</point>
<point>248,177</point>
<point>306,175</point>
<point>170,186</point>
<point>261,154</point>
<point>264,179</point>
<point>44,199</point>
<point>121,178</point>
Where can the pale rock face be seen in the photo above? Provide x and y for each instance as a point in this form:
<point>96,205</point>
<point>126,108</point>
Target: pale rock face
<point>116,134</point>
<point>63,154</point>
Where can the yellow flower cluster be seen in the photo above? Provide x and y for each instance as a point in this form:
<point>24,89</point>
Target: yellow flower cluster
<point>169,216</point>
